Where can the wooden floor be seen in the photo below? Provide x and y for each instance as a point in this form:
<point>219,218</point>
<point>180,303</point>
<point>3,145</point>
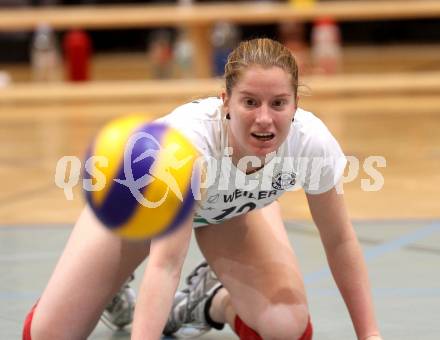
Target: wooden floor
<point>404,128</point>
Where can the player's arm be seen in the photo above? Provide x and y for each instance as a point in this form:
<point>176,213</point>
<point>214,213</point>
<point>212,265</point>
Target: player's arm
<point>345,258</point>
<point>160,282</point>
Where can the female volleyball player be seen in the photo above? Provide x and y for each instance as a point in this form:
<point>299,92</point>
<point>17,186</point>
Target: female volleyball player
<point>258,144</point>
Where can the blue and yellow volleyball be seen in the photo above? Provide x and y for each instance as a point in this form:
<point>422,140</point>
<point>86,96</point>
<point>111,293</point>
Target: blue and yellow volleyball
<point>150,173</point>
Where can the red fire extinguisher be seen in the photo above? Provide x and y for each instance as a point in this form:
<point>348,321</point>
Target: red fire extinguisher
<point>77,51</point>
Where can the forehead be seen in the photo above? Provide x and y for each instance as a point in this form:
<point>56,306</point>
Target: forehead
<point>264,80</point>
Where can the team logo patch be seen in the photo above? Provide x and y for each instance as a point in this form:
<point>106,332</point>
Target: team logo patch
<point>284,180</point>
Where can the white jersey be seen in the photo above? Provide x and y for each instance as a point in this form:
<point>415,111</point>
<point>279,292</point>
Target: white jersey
<point>309,158</point>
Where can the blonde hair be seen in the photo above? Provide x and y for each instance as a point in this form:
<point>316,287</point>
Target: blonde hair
<point>262,52</point>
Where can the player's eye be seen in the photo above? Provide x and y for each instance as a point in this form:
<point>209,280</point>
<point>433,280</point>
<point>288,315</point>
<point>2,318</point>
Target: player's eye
<point>250,102</point>
<point>277,103</point>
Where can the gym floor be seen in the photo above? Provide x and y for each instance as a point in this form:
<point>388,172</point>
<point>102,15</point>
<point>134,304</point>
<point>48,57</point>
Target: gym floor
<point>402,257</point>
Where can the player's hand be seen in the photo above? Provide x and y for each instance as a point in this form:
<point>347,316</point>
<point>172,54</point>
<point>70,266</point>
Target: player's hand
<point>373,337</point>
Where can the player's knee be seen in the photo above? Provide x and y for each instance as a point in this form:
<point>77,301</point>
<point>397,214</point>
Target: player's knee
<point>41,329</point>
<point>283,322</point>
<point>47,328</point>
<point>27,325</point>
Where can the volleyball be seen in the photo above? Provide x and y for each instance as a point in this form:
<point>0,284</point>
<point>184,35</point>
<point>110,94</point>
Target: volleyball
<point>148,174</point>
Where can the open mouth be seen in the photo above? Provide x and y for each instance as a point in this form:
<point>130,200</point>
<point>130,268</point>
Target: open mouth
<point>263,136</point>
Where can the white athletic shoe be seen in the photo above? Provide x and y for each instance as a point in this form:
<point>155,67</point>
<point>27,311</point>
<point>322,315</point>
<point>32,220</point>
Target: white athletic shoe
<point>119,312</point>
<point>189,304</point>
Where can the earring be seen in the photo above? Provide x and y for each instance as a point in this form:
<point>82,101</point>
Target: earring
<point>228,116</point>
